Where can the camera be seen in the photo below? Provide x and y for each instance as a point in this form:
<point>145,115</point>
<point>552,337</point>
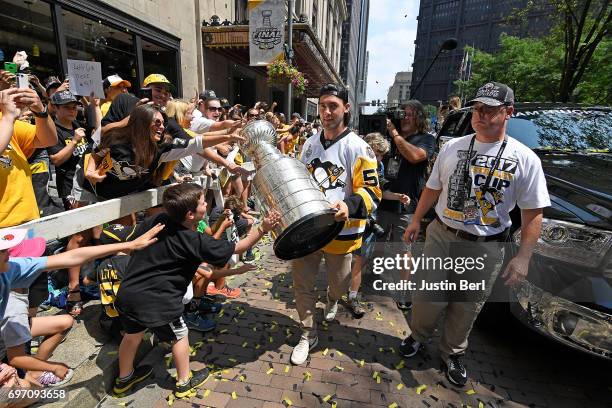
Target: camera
<point>396,115</point>
<point>376,229</point>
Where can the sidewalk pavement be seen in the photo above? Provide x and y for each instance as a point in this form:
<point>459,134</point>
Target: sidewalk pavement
<point>356,363</point>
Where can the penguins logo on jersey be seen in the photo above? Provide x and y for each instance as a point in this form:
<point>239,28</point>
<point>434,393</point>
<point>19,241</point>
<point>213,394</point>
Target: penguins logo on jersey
<point>326,174</point>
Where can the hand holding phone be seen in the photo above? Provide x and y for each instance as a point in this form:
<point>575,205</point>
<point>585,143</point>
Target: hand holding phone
<point>145,93</point>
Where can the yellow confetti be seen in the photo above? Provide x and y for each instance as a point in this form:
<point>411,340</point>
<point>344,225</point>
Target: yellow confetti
<point>378,380</point>
<point>391,324</point>
<point>334,404</point>
<point>470,392</point>
<point>112,353</point>
<point>393,405</point>
<point>234,396</point>
<point>206,393</point>
<point>480,404</point>
<point>286,369</point>
<point>257,346</point>
<point>420,388</point>
<point>245,344</point>
<point>242,378</point>
<point>270,339</point>
<point>339,368</point>
<point>375,374</point>
<point>307,376</point>
<point>351,343</point>
<point>339,353</point>
<point>233,360</point>
<point>270,370</point>
<point>287,401</point>
<point>361,363</point>
<point>399,365</point>
<point>325,351</point>
<point>400,386</point>
<point>168,361</point>
<point>223,331</point>
<point>170,400</point>
<point>326,398</point>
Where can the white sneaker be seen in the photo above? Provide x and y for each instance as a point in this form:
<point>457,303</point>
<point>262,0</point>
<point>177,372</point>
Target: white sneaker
<point>301,350</point>
<point>331,308</point>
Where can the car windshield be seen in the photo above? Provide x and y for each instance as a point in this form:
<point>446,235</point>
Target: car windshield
<point>563,129</point>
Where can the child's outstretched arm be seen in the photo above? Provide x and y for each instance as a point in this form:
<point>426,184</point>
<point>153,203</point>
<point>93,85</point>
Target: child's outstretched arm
<point>389,195</point>
<point>79,256</point>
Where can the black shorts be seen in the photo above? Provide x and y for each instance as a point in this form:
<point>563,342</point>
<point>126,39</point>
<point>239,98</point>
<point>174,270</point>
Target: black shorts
<point>169,332</point>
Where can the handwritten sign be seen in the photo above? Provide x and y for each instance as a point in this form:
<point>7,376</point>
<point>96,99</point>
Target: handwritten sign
<point>85,78</point>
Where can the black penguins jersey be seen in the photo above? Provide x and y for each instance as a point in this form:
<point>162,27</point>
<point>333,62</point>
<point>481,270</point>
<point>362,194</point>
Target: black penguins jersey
<point>345,169</point>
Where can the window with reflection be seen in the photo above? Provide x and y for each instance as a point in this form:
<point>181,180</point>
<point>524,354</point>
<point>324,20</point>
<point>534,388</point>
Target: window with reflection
<point>91,40</point>
<point>28,26</point>
<point>160,60</point>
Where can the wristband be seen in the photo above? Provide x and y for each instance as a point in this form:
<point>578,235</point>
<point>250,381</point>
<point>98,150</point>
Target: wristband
<point>42,114</point>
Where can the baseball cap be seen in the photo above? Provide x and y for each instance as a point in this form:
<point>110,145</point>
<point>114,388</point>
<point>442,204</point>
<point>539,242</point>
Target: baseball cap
<point>155,79</point>
<point>336,90</point>
<point>14,240</point>
<point>207,94</point>
<point>115,233</point>
<point>494,94</point>
<point>296,115</point>
<point>62,98</point>
<point>52,82</point>
<point>115,80</point>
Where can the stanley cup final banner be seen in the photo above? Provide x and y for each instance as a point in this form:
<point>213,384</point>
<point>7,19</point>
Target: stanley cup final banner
<point>266,31</point>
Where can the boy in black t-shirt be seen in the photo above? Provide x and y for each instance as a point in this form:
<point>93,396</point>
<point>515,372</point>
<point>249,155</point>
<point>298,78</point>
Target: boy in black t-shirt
<point>156,279</point>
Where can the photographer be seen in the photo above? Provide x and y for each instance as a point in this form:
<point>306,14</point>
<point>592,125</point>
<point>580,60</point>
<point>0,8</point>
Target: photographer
<point>405,172</point>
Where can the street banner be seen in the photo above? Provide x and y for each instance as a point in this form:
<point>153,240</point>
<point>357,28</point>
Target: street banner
<point>85,78</point>
<point>266,31</point>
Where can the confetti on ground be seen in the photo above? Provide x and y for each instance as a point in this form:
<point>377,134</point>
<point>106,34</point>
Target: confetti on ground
<point>399,365</point>
<point>376,374</point>
<point>327,398</point>
<point>325,351</point>
<point>234,396</point>
<point>270,371</point>
<point>470,392</point>
<point>168,361</point>
<point>112,353</point>
<point>307,376</point>
<point>287,402</point>
<point>286,369</point>
<point>400,386</point>
<point>420,388</point>
<point>245,344</point>
<point>339,368</point>
<point>361,363</point>
<point>393,405</point>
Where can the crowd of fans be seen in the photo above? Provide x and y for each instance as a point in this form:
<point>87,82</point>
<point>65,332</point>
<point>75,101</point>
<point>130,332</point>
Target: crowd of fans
<point>61,151</point>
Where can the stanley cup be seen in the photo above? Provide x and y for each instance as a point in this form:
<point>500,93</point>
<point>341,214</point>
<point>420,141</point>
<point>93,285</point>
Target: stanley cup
<point>285,185</point>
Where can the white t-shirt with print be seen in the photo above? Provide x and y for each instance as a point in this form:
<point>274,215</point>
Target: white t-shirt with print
<point>518,179</point>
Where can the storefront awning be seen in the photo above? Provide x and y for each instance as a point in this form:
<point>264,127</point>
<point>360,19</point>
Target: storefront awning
<point>233,42</point>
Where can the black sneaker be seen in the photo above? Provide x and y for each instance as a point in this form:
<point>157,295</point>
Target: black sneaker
<point>404,305</point>
<point>124,385</point>
<point>197,379</point>
<point>409,347</point>
<point>455,371</point>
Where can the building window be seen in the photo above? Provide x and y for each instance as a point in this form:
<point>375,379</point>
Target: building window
<point>29,27</point>
<point>315,16</point>
<point>242,13</point>
<point>90,40</point>
<point>159,60</point>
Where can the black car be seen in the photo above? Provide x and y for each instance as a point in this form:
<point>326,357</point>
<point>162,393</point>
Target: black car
<point>568,292</point>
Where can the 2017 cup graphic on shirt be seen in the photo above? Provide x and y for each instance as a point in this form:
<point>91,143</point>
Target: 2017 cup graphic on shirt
<point>473,194</point>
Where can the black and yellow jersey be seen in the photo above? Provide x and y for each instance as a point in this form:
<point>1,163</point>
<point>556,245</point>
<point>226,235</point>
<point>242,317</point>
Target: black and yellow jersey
<point>346,170</point>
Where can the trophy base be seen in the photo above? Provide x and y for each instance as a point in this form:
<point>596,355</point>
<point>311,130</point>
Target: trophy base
<point>307,235</point>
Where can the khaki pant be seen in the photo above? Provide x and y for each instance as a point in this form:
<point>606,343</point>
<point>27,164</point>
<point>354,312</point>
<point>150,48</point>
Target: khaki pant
<point>305,271</point>
<point>460,316</point>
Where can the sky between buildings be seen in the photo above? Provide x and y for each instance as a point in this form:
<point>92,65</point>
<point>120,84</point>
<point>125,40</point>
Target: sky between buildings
<point>391,34</point>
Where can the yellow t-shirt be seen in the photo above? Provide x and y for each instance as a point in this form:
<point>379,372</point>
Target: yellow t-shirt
<point>104,107</point>
<point>17,200</point>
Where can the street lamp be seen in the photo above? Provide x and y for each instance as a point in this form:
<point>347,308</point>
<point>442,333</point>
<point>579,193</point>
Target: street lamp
<point>448,45</point>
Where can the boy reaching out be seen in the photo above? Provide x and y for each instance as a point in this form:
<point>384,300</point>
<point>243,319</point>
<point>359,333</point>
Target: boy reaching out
<point>156,280</point>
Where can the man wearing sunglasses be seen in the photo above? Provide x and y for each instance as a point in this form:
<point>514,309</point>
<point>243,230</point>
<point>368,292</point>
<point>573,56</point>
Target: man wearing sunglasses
<point>476,180</point>
<point>344,167</point>
<point>210,111</point>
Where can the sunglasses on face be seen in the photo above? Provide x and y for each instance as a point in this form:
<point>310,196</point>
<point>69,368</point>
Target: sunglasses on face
<point>215,109</point>
<point>485,110</point>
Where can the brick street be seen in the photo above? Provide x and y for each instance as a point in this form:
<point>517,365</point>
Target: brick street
<point>357,364</point>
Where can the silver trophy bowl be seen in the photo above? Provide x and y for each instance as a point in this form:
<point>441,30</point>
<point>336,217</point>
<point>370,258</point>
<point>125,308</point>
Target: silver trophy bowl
<point>285,185</point>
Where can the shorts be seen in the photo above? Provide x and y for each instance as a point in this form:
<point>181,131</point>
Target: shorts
<point>78,192</point>
<point>169,332</point>
<point>15,326</point>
